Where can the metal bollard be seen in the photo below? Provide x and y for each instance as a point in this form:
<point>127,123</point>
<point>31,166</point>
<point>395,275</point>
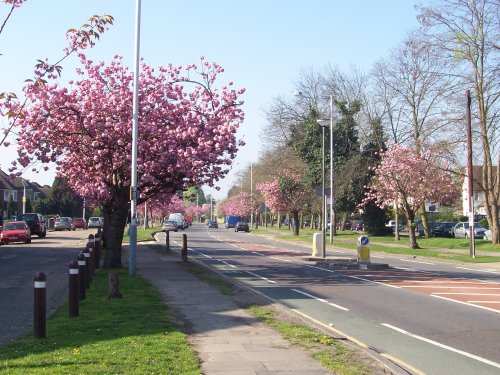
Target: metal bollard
<point>40,306</point>
<point>81,275</point>
<point>167,241</point>
<point>73,300</point>
<point>184,250</point>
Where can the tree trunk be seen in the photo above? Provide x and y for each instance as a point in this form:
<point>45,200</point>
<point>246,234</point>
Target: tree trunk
<point>296,222</point>
<point>411,228</point>
<point>115,219</point>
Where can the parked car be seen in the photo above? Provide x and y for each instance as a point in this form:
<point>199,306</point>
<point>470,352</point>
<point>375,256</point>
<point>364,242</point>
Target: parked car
<point>392,224</point>
<point>36,223</point>
<point>185,224</point>
<point>241,226</point>
<point>419,230</point>
<point>64,223</point>
<point>79,223</point>
<point>347,224</point>
<point>487,235</point>
<point>462,230</point>
<point>444,229</point>
<point>358,225</point>
<point>15,231</point>
<point>169,225</point>
<point>212,224</point>
<point>94,222</point>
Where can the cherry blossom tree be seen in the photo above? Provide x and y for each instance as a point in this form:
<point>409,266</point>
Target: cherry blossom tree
<point>79,40</point>
<point>410,178</point>
<point>242,204</point>
<point>287,193</point>
<point>197,211</point>
<point>187,134</point>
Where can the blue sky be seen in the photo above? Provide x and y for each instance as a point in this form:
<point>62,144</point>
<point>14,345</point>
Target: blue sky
<point>262,44</point>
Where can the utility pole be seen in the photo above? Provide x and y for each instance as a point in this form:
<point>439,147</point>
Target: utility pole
<point>251,195</point>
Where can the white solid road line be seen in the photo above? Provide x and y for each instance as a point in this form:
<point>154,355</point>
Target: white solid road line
<point>283,260</point>
<point>321,300</point>
<point>261,277</point>
<point>320,268</point>
<point>465,303</point>
<point>466,354</point>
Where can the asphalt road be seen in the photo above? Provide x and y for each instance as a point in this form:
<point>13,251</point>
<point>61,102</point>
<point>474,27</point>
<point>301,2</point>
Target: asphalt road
<point>429,316</point>
<point>19,263</point>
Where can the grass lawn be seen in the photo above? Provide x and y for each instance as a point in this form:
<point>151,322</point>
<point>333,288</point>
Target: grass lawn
<point>131,335</point>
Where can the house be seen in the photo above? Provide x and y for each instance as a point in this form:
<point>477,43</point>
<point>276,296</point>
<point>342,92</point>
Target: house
<point>14,188</point>
<point>477,192</point>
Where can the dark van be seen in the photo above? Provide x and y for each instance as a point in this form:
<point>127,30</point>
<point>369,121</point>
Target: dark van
<point>36,223</point>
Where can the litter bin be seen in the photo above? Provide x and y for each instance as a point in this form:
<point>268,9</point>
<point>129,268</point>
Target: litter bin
<point>363,249</point>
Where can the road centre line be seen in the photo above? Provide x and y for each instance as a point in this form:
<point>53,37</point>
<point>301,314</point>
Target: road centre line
<point>435,343</point>
<point>465,303</point>
<point>321,300</point>
<point>417,261</point>
<point>261,277</point>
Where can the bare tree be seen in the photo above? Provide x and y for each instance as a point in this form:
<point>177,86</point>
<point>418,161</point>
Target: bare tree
<point>416,92</point>
<point>467,32</point>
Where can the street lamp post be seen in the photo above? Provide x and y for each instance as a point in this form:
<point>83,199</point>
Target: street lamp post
<point>135,126</point>
<point>323,124</point>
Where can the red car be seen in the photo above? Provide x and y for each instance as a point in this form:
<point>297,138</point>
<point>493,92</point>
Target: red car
<point>79,222</point>
<point>15,231</point>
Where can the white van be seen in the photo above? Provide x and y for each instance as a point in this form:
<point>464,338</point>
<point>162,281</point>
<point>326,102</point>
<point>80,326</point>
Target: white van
<point>179,219</point>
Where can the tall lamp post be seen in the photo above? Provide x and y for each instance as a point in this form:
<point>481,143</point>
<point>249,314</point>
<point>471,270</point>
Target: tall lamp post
<point>323,124</point>
<point>135,126</point>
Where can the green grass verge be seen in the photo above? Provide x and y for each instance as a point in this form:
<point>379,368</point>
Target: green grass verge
<point>443,248</point>
<point>142,234</point>
<point>131,335</point>
<point>331,353</point>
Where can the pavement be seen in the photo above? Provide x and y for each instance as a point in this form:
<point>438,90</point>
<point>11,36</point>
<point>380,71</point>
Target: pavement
<point>227,339</point>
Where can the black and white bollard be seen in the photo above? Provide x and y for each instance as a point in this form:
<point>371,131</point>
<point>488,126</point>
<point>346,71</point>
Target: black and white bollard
<point>40,306</point>
<point>74,292</point>
<point>86,253</point>
<point>81,276</point>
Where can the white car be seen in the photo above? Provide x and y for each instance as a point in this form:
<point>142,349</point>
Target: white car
<point>462,230</point>
<point>94,222</point>
<point>487,235</point>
